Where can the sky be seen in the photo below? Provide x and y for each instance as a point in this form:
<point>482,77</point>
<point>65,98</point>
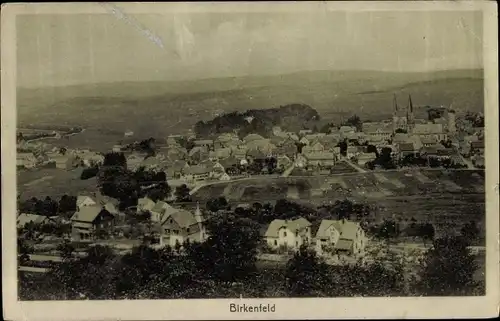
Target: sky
<point>68,49</point>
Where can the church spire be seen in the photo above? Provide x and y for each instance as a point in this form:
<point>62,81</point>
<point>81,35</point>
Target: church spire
<point>410,104</point>
<point>395,104</point>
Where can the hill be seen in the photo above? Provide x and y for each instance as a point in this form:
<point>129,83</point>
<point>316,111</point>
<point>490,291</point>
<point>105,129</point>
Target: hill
<point>161,108</point>
<point>290,117</point>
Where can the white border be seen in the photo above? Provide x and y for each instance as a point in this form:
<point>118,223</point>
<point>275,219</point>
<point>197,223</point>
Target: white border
<point>338,308</point>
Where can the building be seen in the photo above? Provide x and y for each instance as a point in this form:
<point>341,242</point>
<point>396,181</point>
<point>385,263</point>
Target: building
<point>477,147</point>
<point>340,237</point>
<point>376,132</point>
<point>320,159</point>
<point>24,218</point>
<point>406,149</point>
<point>252,137</point>
<point>88,221</point>
<point>314,147</point>
<point>158,210</point>
<point>430,130</point>
<point>205,144</point>
<point>26,159</point>
<point>284,161</point>
<point>452,125</point>
<point>84,200</point>
<point>403,118</point>
<point>288,234</point>
<point>145,204</point>
<point>220,153</point>
<point>304,132</point>
<point>134,161</point>
<point>352,151</point>
<point>180,226</point>
<point>197,172</point>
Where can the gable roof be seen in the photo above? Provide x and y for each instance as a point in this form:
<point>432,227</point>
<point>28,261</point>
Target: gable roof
<point>25,218</point>
<point>323,227</point>
<point>380,127</point>
<point>296,225</point>
<point>251,137</point>
<point>406,147</point>
<point>182,217</point>
<point>88,213</point>
<point>428,128</point>
<point>347,229</point>
<point>203,142</point>
<point>82,198</point>
<point>319,155</point>
<point>160,207</point>
<point>197,170</point>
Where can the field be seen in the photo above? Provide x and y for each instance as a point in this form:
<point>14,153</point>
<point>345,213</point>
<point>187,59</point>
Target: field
<point>52,182</point>
<point>446,198</point>
<point>161,108</point>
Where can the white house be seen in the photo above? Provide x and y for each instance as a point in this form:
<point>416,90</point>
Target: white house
<point>340,237</point>
<point>180,226</point>
<point>288,234</point>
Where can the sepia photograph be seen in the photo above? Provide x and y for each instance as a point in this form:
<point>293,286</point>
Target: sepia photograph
<point>269,156</point>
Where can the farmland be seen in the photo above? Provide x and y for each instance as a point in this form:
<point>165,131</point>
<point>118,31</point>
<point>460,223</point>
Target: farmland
<point>52,182</point>
<point>447,199</point>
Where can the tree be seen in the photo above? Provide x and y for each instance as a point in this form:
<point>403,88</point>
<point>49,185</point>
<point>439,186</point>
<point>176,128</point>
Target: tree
<point>305,274</point>
<point>343,148</point>
<point>372,149</point>
<point>89,172</point>
<point>217,204</point>
<point>470,231</point>
<point>448,268</point>
<point>182,193</point>
<point>385,158</point>
<point>426,231</point>
<point>114,159</point>
<point>388,230</point>
<point>354,121</point>
<point>67,204</point>
<point>230,253</point>
<point>66,250</point>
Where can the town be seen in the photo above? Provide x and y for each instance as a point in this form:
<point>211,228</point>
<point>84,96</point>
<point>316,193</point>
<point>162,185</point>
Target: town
<point>273,198</point>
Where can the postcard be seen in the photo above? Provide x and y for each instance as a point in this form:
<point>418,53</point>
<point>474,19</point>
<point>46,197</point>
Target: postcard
<point>239,160</point>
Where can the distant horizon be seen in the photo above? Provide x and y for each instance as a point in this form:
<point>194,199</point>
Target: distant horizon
<point>253,76</point>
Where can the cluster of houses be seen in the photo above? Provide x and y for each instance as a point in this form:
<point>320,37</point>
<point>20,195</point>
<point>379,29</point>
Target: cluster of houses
<point>38,155</point>
<point>341,237</point>
<point>174,227</point>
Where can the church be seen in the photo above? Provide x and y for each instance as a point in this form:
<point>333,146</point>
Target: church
<point>403,119</point>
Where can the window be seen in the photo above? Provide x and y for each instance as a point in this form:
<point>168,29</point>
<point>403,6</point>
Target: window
<point>296,243</point>
<point>187,230</point>
<point>176,232</point>
<point>275,242</point>
<point>167,231</point>
<point>284,234</point>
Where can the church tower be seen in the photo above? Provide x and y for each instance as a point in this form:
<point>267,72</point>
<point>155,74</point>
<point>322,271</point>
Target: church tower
<point>395,118</point>
<point>410,116</point>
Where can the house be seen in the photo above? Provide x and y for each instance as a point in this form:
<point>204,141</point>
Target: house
<point>477,147</point>
<point>329,141</point>
<point>428,141</point>
<point>288,148</point>
<point>264,145</point>
<point>340,237</point>
<point>25,218</point>
<point>172,140</point>
<point>197,172</point>
<point>314,147</point>
<point>288,234</point>
<point>406,149</point>
<point>293,136</point>
<point>88,221</point>
<point>158,210</point>
<point>145,204</point>
<point>225,177</point>
<point>364,158</point>
<point>26,159</point>
<point>252,137</point>
<point>377,131</point>
<point>174,170</point>
<point>347,130</point>
<point>116,148</point>
<point>321,159</point>
<point>304,132</point>
<point>205,144</point>
<point>400,138</point>
<point>430,130</point>
<point>352,151</point>
<point>180,226</point>
<point>83,200</point>
<point>304,141</point>
<point>220,153</point>
<point>229,162</point>
<point>62,161</point>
